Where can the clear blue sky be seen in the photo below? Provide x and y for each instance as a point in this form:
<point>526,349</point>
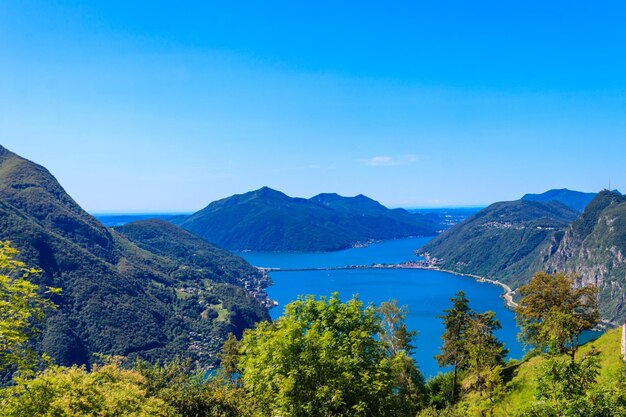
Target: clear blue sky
<point>166,106</point>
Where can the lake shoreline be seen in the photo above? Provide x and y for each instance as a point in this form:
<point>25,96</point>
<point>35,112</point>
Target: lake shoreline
<point>508,292</point>
<point>507,296</point>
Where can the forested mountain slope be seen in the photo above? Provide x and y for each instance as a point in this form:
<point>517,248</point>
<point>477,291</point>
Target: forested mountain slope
<point>502,241</point>
<point>117,297</point>
<point>268,220</point>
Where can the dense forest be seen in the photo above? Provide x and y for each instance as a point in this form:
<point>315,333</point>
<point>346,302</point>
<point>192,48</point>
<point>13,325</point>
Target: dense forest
<point>148,290</point>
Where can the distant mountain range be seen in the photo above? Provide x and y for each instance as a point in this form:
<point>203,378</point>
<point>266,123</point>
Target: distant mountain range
<point>510,241</point>
<point>149,289</point>
<point>575,200</point>
<point>268,220</point>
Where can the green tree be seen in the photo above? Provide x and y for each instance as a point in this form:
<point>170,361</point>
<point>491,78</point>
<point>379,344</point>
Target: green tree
<point>552,313</point>
<point>192,393</point>
<point>454,349</point>
<point>562,382</point>
<point>229,358</point>
<point>395,336</point>
<point>21,305</point>
<point>485,353</point>
<point>394,333</point>
<point>567,388</point>
<point>106,391</point>
<point>321,358</point>
<point>439,390</point>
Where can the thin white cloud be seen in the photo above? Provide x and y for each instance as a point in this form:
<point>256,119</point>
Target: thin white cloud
<point>388,161</point>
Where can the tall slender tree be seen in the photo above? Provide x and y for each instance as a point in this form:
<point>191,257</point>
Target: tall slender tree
<point>398,339</point>
<point>454,351</point>
<point>485,356</point>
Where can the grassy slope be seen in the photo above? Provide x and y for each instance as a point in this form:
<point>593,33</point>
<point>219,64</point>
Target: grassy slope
<point>523,384</point>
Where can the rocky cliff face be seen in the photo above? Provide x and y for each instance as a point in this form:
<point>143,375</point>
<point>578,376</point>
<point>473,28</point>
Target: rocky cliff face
<point>594,248</point>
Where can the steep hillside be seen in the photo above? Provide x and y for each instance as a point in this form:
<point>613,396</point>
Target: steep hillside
<point>503,241</point>
<point>575,200</point>
<point>118,298</point>
<point>522,377</point>
<point>594,247</point>
<point>191,253</point>
<point>269,220</point>
<point>511,241</point>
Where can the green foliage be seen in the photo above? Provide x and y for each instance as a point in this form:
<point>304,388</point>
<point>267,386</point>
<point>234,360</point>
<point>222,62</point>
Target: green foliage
<point>439,390</point>
<point>436,412</point>
<point>394,335</point>
<point>469,345</point>
<point>269,220</point>
<point>485,356</point>
<point>569,389</point>
<point>322,358</point>
<point>503,241</point>
<point>105,391</point>
<point>552,313</point>
<point>229,358</point>
<point>120,297</point>
<point>21,306</point>
<point>561,380</point>
<point>454,350</point>
<point>191,393</point>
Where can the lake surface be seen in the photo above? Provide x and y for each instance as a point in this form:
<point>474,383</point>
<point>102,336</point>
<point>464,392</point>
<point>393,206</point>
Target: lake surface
<point>425,292</point>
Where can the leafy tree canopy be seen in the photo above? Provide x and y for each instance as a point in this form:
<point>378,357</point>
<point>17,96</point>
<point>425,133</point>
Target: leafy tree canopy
<point>552,313</point>
<point>323,358</point>
<point>21,305</point>
<point>105,391</point>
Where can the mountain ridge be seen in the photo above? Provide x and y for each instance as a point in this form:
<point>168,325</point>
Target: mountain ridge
<point>266,219</point>
<point>496,241</point>
<point>118,298</point>
<point>576,200</point>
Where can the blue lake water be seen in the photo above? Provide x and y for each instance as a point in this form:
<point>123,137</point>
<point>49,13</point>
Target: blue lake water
<point>425,292</point>
<point>389,252</point>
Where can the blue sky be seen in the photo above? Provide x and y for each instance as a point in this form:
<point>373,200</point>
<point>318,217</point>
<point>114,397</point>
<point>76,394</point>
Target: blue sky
<point>166,106</point>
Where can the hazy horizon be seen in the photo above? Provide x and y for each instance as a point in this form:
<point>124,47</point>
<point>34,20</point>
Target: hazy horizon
<point>144,107</point>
